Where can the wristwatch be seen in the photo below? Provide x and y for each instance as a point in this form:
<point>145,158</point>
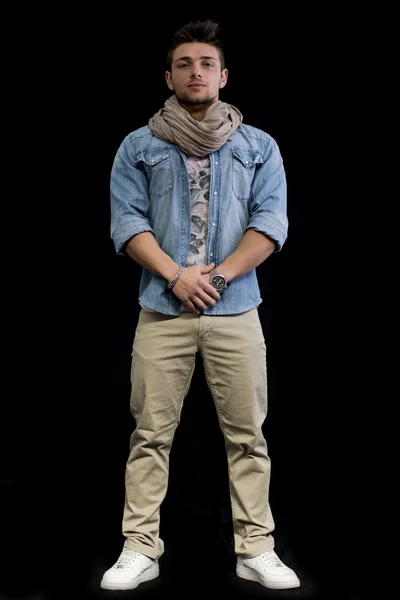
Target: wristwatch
<point>218,281</point>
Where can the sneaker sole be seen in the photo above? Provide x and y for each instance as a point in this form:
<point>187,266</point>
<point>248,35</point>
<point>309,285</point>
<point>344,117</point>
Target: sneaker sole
<point>250,575</point>
<point>152,573</point>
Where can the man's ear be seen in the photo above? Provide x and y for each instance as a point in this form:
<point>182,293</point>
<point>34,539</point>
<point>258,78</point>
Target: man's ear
<point>168,79</point>
<point>224,78</point>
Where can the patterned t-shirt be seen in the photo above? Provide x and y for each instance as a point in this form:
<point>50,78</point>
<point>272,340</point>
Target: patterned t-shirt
<point>199,183</point>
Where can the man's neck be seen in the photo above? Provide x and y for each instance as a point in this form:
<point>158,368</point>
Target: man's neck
<point>198,114</point>
<point>196,111</point>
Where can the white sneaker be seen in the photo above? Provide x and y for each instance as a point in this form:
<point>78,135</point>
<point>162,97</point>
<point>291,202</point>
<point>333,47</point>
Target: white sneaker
<point>269,570</point>
<point>130,569</point>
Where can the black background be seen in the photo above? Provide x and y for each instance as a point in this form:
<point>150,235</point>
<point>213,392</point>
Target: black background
<point>68,439</point>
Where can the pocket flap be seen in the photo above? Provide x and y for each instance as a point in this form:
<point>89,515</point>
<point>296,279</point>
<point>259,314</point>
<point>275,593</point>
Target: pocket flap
<point>153,156</point>
<point>247,157</point>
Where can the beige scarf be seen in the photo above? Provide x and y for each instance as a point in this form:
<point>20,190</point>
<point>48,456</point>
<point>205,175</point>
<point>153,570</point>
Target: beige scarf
<point>196,138</point>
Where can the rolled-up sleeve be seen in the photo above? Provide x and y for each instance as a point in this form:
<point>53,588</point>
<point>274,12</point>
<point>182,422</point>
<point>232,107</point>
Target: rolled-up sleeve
<point>268,202</point>
<point>128,196</point>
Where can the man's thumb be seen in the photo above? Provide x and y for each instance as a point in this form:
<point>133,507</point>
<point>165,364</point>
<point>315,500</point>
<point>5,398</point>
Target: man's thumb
<point>208,268</point>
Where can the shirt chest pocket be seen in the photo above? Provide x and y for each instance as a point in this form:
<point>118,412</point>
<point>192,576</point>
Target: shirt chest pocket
<point>157,166</point>
<point>244,166</point>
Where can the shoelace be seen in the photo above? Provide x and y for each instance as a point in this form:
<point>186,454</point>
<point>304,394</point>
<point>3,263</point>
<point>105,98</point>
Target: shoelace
<point>271,559</point>
<point>127,558</point>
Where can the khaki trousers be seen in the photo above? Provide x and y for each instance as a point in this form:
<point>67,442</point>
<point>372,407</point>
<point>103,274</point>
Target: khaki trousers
<point>163,359</point>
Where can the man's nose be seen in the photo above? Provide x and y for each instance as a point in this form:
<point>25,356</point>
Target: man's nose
<point>196,72</point>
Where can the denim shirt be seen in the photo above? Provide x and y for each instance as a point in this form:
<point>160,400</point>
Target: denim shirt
<point>150,192</point>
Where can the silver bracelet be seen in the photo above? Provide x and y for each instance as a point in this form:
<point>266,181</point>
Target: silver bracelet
<point>175,279</point>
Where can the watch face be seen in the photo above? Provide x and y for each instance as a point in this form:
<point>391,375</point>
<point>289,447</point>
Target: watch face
<point>218,282</point>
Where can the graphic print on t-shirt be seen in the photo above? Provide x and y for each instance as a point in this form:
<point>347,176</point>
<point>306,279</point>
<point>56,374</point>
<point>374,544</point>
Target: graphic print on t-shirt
<point>199,181</point>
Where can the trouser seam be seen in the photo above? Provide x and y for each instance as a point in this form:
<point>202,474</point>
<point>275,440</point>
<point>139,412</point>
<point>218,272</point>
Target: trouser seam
<point>184,393</point>
<point>221,423</point>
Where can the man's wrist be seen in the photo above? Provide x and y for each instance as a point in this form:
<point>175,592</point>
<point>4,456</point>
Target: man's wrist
<point>225,271</point>
<point>218,280</point>
<point>175,278</point>
<point>170,271</point>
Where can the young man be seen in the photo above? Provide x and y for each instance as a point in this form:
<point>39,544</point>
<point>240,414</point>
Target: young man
<point>198,199</point>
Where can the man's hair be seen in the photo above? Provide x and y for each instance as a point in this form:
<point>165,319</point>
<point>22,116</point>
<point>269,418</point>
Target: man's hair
<point>205,32</point>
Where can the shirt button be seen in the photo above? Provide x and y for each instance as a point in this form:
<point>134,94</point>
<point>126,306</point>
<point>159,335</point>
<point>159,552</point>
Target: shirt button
<point>184,193</point>
<point>211,254</point>
<point>213,224</point>
<point>215,193</point>
<point>216,162</point>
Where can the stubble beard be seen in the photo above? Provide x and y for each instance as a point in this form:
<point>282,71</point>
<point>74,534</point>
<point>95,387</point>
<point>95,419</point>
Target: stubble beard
<point>194,101</point>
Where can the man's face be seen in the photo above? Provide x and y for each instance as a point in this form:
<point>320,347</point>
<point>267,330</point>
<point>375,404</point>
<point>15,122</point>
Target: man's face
<point>196,76</point>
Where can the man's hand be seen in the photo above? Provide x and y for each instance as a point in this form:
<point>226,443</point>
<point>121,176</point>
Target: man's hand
<point>193,289</point>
